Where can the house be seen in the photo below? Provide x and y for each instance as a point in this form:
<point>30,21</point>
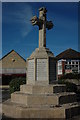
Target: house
<point>68,62</point>
<point>12,63</point>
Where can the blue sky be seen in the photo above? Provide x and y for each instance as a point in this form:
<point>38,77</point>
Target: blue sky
<point>20,35</point>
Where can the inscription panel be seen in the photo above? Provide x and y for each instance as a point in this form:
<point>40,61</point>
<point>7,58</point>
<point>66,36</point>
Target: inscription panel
<point>42,69</point>
<point>30,70</point>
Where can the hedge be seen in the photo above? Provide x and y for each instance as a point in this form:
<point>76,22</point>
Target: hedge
<point>15,83</point>
<point>70,87</point>
<point>70,76</point>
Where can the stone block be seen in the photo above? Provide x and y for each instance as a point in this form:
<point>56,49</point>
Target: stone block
<point>43,99</point>
<point>41,89</point>
<point>22,111</point>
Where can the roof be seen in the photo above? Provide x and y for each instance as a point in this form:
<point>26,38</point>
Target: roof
<point>11,52</point>
<point>69,54</point>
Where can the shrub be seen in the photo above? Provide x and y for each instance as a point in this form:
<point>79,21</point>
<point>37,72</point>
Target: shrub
<point>6,79</point>
<point>70,76</point>
<point>70,87</point>
<point>15,83</point>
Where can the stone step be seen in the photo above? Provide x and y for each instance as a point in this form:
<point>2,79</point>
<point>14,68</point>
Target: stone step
<point>39,89</point>
<point>14,110</point>
<point>43,99</point>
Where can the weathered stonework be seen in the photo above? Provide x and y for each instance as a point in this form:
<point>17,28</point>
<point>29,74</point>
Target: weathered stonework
<point>43,69</point>
<point>42,101</point>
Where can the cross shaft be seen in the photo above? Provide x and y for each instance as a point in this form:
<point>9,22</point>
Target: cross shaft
<point>43,24</point>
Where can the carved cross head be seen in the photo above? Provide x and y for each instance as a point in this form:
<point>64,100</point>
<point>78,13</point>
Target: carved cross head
<point>34,20</point>
<point>42,13</point>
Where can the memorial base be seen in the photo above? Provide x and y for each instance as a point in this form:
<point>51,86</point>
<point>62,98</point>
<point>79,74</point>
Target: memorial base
<point>41,67</point>
<point>38,101</point>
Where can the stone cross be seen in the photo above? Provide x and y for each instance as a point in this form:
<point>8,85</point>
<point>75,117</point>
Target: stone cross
<point>43,24</point>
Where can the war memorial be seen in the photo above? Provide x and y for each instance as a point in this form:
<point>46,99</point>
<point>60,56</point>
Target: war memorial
<point>41,96</point>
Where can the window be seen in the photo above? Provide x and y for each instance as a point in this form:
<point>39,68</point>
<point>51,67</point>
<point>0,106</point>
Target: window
<point>69,62</point>
<point>59,67</point>
<point>13,60</point>
<point>76,62</point>
<point>72,66</point>
<point>67,66</point>
<point>72,62</point>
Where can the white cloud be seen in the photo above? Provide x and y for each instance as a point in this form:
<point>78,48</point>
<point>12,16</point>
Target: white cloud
<point>20,14</point>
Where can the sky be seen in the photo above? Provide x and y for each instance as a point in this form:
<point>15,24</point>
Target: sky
<point>19,34</point>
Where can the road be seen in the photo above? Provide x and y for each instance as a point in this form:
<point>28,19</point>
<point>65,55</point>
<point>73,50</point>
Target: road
<point>4,95</point>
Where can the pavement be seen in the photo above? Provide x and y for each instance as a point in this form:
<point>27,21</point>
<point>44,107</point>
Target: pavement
<point>4,95</point>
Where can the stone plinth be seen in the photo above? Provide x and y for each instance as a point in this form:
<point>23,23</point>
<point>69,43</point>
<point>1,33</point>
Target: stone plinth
<point>48,99</point>
<point>42,89</point>
<point>41,67</point>
<point>16,111</point>
<point>42,102</point>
